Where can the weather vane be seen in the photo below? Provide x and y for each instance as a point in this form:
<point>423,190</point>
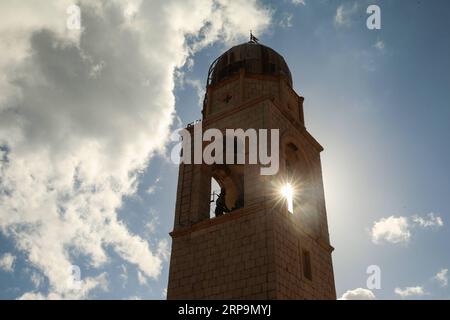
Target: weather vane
<point>253,39</point>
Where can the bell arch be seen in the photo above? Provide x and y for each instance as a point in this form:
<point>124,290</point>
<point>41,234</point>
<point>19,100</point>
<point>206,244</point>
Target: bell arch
<point>298,171</point>
<point>229,178</point>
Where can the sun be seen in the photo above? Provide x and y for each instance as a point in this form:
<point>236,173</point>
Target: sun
<point>287,191</point>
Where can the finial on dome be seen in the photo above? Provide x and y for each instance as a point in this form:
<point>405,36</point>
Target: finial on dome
<point>253,39</point>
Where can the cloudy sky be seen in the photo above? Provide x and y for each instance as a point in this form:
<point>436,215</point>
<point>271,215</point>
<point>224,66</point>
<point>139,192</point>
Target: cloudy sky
<point>86,184</point>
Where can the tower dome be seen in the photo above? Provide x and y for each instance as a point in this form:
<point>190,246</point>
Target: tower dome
<point>253,57</point>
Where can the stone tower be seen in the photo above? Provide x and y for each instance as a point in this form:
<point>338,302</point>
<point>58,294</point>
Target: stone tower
<point>258,250</point>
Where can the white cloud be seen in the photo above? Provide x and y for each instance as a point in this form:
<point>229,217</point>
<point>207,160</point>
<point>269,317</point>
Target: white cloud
<point>442,277</point>
<point>379,45</point>
<point>344,13</point>
<point>153,223</point>
<point>391,229</point>
<point>398,229</point>
<point>339,17</point>
<point>410,292</point>
<point>151,226</point>
<point>123,275</point>
<point>141,278</point>
<point>196,84</point>
<point>164,249</point>
<point>298,2</point>
<point>429,221</point>
<point>358,294</point>
<point>81,115</point>
<point>152,189</point>
<point>199,89</point>
<point>15,33</point>
<point>286,21</point>
<point>7,262</point>
<point>37,280</point>
<point>82,292</point>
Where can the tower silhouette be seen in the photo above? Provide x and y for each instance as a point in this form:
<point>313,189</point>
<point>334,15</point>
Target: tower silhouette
<point>255,247</point>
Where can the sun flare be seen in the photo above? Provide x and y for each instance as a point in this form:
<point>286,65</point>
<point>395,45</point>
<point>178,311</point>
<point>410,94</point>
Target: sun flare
<point>287,191</point>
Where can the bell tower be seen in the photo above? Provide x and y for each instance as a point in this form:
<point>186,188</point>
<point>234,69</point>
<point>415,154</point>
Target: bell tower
<point>269,236</point>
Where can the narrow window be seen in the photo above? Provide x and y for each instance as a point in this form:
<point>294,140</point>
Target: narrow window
<point>288,194</point>
<point>306,259</point>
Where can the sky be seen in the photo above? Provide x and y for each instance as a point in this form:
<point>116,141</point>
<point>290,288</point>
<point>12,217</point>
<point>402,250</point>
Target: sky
<point>87,188</point>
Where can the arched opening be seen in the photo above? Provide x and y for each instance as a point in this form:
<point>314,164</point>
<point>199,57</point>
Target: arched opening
<point>227,179</point>
<point>227,189</point>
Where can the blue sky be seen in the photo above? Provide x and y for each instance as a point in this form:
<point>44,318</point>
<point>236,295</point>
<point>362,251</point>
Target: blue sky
<point>382,116</point>
<point>377,101</point>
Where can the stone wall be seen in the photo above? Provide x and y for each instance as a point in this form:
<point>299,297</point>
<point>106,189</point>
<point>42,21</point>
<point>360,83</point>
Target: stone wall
<point>254,252</point>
